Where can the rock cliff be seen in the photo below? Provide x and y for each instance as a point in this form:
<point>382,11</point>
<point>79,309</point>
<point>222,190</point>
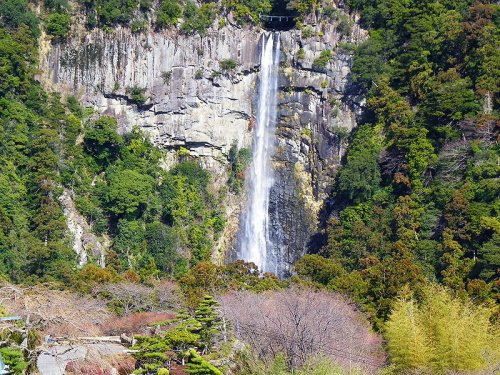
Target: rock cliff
<point>190,100</point>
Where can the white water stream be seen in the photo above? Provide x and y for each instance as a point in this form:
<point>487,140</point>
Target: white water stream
<point>255,245</point>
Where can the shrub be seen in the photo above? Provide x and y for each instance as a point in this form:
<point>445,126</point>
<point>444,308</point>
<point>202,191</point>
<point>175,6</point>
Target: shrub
<point>14,13</point>
<point>198,74</point>
<point>330,12</point>
<point>14,358</point>
<point>167,77</point>
<point>198,20</point>
<point>56,5</point>
<point>136,94</point>
<point>239,160</point>
<point>145,5</point>
<point>138,26</point>
<point>168,14</point>
<point>301,54</point>
<point>307,32</point>
<point>58,25</point>
<point>323,59</point>
<point>228,64</point>
<point>112,12</point>
<point>74,106</point>
<point>247,11</point>
<point>344,25</point>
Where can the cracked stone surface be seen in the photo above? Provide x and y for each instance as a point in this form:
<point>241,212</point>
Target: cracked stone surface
<point>192,103</point>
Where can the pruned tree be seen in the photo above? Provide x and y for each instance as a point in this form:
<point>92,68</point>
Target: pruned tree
<point>300,323</point>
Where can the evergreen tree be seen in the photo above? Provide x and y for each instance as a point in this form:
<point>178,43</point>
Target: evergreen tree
<point>197,365</point>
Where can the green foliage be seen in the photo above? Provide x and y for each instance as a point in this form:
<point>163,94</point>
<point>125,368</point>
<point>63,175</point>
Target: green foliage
<point>57,5</point>
<point>128,192</point>
<point>198,20</point>
<point>14,13</point>
<point>209,320</point>
<point>415,193</point>
<point>323,59</point>
<point>58,25</point>
<point>248,11</point>
<point>344,22</point>
<point>14,358</point>
<point>102,141</point>
<point>115,180</point>
<point>360,177</point>
<point>440,334</point>
<point>138,26</point>
<point>302,7</point>
<point>199,366</point>
<point>137,94</point>
<point>307,32</point>
<point>314,366</point>
<point>301,54</point>
<point>239,159</point>
<point>111,12</point>
<point>17,58</point>
<point>168,14</point>
<point>167,77</point>
<point>185,337</point>
<point>228,64</point>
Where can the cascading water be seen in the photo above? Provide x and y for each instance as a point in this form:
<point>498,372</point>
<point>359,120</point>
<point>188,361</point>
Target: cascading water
<point>255,245</point>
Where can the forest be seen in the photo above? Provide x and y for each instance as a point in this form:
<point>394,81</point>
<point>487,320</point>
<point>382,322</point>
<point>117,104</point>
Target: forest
<point>403,279</point>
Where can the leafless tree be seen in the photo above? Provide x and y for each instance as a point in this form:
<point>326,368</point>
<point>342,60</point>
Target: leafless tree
<point>303,322</point>
<point>487,130</point>
<point>453,160</point>
<point>128,296</point>
<point>54,311</point>
<point>132,297</point>
<point>169,295</point>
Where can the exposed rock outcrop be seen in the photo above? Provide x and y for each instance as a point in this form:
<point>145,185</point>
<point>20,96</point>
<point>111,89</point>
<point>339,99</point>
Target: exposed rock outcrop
<point>191,101</point>
<point>85,242</point>
<point>316,114</point>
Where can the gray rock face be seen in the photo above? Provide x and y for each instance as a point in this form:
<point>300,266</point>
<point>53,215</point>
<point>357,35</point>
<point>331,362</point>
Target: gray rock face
<point>85,242</point>
<point>316,115</point>
<point>192,102</point>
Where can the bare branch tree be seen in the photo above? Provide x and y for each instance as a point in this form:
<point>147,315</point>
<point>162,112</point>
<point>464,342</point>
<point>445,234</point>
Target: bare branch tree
<point>301,323</point>
<point>54,311</point>
<point>453,160</point>
<point>128,297</point>
<point>132,297</point>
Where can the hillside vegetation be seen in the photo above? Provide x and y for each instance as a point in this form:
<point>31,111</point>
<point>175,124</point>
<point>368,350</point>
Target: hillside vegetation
<point>406,280</point>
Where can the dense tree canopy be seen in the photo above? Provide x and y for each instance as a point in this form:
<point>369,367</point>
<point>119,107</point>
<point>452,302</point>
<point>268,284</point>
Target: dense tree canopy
<point>417,197</point>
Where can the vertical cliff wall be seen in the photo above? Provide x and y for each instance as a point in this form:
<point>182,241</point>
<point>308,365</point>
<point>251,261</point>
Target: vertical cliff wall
<point>193,102</point>
<point>316,115</point>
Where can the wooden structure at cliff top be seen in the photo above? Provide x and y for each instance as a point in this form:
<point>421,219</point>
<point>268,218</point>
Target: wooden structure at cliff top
<point>264,17</point>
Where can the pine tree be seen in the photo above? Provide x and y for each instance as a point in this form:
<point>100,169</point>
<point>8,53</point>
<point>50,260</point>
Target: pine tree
<point>210,321</point>
<point>199,366</point>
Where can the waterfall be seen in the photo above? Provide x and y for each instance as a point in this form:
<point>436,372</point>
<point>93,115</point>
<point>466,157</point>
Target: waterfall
<point>255,245</point>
